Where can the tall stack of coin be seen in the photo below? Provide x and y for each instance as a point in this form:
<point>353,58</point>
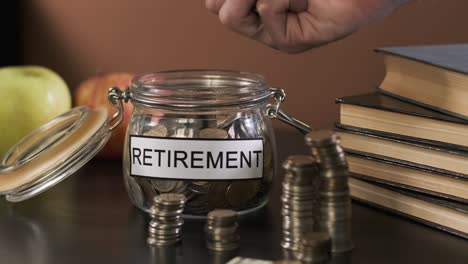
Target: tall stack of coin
<point>165,227</point>
<point>315,247</point>
<point>221,230</point>
<point>335,203</point>
<point>299,198</point>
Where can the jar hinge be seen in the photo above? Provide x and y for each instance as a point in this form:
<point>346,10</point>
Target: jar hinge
<point>115,97</point>
<point>275,112</point>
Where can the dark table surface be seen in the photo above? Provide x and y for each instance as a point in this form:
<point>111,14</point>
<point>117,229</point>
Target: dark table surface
<point>89,219</point>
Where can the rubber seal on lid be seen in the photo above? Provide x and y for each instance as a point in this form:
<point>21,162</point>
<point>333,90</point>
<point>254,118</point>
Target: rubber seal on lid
<point>53,152</point>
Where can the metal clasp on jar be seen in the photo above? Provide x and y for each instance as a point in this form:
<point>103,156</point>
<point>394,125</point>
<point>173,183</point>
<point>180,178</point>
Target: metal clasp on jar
<point>274,111</point>
<point>115,97</point>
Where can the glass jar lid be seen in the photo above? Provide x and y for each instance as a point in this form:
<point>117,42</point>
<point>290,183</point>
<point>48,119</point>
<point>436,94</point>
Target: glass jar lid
<point>53,152</point>
<point>199,89</point>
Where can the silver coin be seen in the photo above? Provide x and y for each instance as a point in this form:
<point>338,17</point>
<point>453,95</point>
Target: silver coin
<point>170,199</point>
<point>164,232</point>
<point>239,193</point>
<point>221,231</point>
<point>160,225</point>
<point>199,188</point>
<point>222,247</point>
<point>222,215</point>
<point>164,186</point>
<point>213,133</point>
<point>157,131</point>
<point>321,138</point>
<point>159,242</point>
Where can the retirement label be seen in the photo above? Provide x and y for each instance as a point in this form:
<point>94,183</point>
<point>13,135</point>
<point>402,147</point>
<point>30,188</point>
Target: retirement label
<point>200,159</point>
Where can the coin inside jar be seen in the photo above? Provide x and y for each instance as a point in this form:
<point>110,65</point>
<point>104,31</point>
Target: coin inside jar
<point>239,193</point>
<point>206,130</point>
<point>213,133</point>
<point>164,185</point>
<point>217,195</point>
<point>157,131</point>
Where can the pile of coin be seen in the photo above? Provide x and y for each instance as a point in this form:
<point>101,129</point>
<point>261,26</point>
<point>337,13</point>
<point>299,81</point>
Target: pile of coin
<point>165,227</point>
<point>315,247</point>
<point>299,198</point>
<point>204,196</point>
<point>221,230</point>
<point>334,213</point>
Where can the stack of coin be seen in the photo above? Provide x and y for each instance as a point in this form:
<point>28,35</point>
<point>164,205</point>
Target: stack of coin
<point>165,227</point>
<point>299,198</point>
<point>335,203</point>
<point>221,230</point>
<point>315,247</point>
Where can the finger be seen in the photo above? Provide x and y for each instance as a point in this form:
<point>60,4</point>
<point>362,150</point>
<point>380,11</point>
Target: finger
<point>238,16</point>
<point>279,20</point>
<point>273,14</point>
<point>214,5</point>
<point>298,6</point>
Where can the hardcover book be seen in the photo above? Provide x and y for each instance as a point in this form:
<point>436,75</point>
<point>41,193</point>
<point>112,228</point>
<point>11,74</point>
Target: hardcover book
<point>406,176</point>
<point>433,76</point>
<point>444,159</point>
<point>445,215</point>
<point>384,115</point>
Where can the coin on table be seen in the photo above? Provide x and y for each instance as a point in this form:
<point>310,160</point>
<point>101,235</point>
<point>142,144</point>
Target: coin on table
<point>170,199</point>
<point>221,215</point>
<point>222,247</point>
<point>157,131</point>
<point>213,133</point>
<point>160,225</point>
<point>240,192</point>
<point>321,138</point>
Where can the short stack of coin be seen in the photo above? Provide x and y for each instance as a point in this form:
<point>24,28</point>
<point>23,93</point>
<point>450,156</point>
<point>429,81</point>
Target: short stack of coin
<point>299,198</point>
<point>221,230</point>
<point>315,247</point>
<point>165,227</point>
<point>335,203</point>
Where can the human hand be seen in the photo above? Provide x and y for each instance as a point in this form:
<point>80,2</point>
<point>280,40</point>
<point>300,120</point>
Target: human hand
<point>297,25</point>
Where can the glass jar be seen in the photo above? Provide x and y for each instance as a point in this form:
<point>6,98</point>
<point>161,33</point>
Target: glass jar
<point>205,134</point>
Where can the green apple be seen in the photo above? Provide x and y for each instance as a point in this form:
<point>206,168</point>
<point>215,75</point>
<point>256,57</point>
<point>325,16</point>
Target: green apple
<point>30,96</point>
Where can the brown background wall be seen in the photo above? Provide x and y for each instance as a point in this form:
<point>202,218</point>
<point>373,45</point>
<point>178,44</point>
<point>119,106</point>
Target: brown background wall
<point>81,38</point>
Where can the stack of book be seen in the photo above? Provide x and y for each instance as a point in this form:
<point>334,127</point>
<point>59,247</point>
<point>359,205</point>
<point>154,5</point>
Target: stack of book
<point>407,143</point>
